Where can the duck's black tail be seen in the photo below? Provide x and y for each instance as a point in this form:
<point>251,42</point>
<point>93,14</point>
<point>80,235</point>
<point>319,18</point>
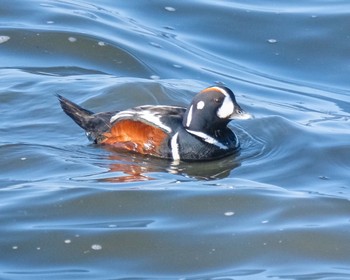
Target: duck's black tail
<point>95,125</point>
<point>80,115</point>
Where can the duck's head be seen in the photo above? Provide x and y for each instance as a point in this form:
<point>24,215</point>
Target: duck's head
<point>212,109</point>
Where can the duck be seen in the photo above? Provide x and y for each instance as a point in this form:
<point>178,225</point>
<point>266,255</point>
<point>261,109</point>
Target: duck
<point>198,132</point>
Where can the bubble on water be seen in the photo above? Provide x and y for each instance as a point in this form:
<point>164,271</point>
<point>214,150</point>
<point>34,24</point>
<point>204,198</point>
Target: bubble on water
<point>96,247</point>
<point>14,247</point>
<point>228,214</point>
<point>154,77</point>
<point>102,44</point>
<point>50,22</point>
<point>67,241</point>
<point>23,158</point>
<point>272,41</point>
<point>265,221</point>
<point>156,45</point>
<point>4,39</point>
<point>212,251</point>
<point>170,9</point>
<point>72,39</point>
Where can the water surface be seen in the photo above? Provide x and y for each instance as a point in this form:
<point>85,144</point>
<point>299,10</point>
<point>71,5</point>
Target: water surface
<point>277,210</point>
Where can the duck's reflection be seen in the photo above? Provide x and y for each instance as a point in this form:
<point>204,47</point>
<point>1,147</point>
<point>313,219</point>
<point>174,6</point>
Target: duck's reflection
<point>129,172</point>
<point>135,168</point>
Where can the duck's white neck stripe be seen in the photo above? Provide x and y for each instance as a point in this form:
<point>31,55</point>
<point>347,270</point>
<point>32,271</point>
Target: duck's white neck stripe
<point>189,117</point>
<point>208,139</point>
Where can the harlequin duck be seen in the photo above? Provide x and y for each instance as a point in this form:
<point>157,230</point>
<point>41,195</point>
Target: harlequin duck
<point>198,132</point>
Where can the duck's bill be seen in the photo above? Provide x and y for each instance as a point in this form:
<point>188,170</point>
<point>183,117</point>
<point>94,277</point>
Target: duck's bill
<point>240,114</point>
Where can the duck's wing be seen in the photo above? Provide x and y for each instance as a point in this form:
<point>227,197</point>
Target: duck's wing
<point>166,118</point>
<point>144,129</point>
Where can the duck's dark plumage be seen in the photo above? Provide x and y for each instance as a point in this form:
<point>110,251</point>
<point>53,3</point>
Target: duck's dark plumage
<point>198,132</point>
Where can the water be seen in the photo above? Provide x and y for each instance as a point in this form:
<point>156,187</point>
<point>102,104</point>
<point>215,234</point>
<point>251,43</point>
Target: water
<point>73,210</point>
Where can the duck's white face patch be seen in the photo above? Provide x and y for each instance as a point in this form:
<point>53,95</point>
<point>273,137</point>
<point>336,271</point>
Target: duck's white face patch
<point>227,107</point>
<point>200,105</point>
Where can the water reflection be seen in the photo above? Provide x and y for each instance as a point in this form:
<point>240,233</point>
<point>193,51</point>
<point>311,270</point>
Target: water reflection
<point>124,169</point>
<point>136,168</point>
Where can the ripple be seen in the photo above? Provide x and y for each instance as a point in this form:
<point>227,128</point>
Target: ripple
<point>281,204</point>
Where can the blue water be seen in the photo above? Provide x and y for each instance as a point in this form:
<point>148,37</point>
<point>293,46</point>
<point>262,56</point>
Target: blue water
<point>277,210</point>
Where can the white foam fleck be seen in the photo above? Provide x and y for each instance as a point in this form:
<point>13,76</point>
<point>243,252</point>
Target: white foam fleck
<point>272,41</point>
<point>96,247</point>
<point>228,214</point>
<point>72,39</point>
<point>170,9</point>
<point>4,39</point>
<point>154,77</point>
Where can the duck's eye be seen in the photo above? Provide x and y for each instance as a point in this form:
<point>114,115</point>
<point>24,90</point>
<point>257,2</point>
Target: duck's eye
<point>217,100</point>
